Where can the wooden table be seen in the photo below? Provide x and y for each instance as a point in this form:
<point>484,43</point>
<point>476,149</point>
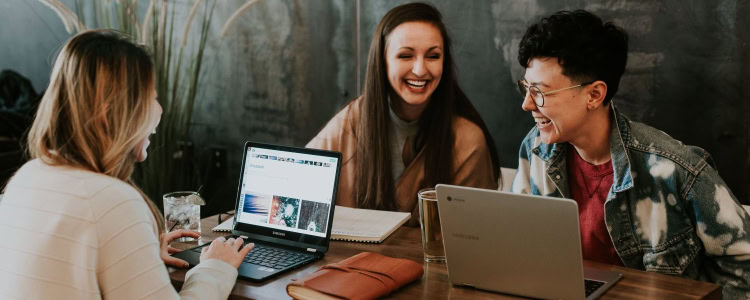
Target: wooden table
<point>406,243</point>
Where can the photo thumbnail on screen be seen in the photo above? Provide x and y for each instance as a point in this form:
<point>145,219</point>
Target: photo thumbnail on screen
<point>284,211</point>
<point>257,206</point>
<point>314,216</point>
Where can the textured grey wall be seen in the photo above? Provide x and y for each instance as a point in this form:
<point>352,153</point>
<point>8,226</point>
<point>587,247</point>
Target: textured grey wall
<point>282,72</point>
<point>288,66</point>
<point>285,68</point>
<point>30,35</point>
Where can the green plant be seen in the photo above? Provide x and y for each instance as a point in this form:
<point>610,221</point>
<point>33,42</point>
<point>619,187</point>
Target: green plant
<point>170,165</point>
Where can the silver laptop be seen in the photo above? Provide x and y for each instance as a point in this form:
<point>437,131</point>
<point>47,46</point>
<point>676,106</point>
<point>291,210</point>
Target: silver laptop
<point>516,244</point>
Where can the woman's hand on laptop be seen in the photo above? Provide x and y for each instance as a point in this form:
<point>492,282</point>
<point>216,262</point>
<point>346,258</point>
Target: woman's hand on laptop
<point>166,250</point>
<point>229,251</point>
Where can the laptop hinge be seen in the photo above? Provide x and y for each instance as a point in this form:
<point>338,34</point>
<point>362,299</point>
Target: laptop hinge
<point>311,250</point>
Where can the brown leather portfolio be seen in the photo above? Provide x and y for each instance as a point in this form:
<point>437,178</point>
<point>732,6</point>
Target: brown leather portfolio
<point>364,276</point>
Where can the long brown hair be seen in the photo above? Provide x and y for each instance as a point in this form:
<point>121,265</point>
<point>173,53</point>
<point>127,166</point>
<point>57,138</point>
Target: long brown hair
<point>97,108</point>
<point>374,187</point>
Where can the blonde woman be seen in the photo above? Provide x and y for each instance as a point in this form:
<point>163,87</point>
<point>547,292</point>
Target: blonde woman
<point>73,225</point>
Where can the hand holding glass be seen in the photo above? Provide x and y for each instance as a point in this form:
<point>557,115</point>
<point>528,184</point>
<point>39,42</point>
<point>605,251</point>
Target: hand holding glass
<point>182,210</point>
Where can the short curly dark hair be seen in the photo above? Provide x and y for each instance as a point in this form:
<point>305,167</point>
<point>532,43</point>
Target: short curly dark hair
<point>587,48</point>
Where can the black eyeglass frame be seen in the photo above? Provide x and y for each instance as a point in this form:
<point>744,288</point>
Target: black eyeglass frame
<point>524,88</point>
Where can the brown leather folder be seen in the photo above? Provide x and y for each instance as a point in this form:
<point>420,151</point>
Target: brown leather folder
<point>364,276</point>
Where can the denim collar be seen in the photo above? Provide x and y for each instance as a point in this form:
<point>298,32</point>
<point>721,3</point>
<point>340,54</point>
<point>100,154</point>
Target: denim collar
<point>619,137</point>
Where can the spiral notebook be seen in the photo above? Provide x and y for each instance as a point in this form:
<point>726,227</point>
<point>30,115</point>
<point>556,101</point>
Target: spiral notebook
<point>365,225</point>
<point>355,224</point>
<point>225,226</point>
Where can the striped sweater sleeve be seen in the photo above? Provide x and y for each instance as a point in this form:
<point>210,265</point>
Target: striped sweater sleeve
<point>129,265</point>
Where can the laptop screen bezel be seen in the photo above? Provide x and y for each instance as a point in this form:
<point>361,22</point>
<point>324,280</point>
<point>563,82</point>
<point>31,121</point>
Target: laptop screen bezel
<point>289,238</point>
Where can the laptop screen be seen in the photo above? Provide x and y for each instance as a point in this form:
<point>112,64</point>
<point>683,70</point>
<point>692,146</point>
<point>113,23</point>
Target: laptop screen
<point>287,193</point>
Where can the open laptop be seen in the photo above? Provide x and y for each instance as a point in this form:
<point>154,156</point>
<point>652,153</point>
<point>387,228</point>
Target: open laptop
<point>284,205</point>
<point>517,244</point>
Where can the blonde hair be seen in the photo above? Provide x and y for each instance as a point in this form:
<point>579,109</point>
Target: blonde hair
<point>97,108</point>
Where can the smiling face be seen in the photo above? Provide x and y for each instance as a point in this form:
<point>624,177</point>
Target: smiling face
<point>414,59</point>
<point>564,114</point>
<point>141,149</point>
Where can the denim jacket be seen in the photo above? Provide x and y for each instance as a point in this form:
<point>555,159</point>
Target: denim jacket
<point>667,211</point>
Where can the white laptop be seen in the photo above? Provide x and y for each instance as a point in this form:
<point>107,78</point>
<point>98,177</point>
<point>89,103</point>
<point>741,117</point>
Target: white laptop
<point>516,244</point>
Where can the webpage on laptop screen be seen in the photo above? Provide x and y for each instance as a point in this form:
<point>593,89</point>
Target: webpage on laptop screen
<point>288,191</point>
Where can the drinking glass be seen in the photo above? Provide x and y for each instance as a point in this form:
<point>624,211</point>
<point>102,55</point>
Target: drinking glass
<point>429,221</point>
<point>180,212</point>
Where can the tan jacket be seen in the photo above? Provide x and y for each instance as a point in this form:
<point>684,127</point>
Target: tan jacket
<point>471,165</point>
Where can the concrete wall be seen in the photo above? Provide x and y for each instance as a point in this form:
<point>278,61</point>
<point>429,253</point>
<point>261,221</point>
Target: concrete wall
<point>283,71</point>
<point>288,66</point>
<point>30,35</point>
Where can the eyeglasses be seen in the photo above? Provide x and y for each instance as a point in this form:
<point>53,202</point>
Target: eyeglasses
<point>524,88</point>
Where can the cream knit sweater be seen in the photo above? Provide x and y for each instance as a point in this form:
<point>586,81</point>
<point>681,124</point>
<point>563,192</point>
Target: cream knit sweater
<point>72,234</point>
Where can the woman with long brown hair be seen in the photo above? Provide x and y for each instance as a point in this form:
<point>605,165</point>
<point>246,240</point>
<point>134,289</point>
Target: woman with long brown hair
<point>73,224</point>
<point>413,127</point>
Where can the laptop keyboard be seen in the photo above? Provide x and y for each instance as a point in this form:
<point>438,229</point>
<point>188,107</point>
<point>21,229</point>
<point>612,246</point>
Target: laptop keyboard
<point>274,258</point>
<point>591,286</point>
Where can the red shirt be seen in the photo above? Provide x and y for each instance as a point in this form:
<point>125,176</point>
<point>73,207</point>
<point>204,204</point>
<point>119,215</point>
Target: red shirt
<point>589,186</point>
